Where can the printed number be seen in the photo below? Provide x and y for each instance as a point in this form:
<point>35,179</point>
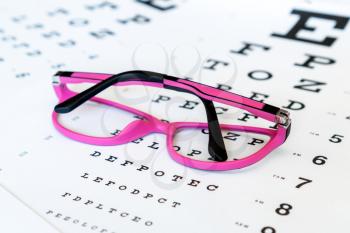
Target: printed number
<point>8,38</point>
<point>34,53</point>
<point>268,230</point>
<point>35,26</point>
<point>319,160</point>
<point>102,33</point>
<point>305,181</point>
<point>67,43</point>
<point>284,209</point>
<point>57,66</point>
<point>336,138</point>
<point>21,45</point>
<point>22,75</point>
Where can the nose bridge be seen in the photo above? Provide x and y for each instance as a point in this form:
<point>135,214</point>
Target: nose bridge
<point>161,126</point>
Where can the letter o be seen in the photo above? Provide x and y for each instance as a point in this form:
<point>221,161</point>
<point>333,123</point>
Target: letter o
<point>148,223</point>
<point>157,173</point>
<point>124,214</point>
<point>260,75</point>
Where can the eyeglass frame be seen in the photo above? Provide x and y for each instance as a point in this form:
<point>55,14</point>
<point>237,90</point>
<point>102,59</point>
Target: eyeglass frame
<point>69,100</point>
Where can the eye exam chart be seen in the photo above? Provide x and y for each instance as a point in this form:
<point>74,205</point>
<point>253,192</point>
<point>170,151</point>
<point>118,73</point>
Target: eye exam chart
<point>291,54</point>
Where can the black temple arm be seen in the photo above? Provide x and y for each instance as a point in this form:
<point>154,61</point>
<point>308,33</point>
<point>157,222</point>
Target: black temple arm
<point>75,101</point>
<point>216,146</point>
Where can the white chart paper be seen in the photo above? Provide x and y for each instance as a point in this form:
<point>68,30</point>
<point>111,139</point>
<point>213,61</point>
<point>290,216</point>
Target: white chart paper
<point>17,216</point>
<point>303,186</point>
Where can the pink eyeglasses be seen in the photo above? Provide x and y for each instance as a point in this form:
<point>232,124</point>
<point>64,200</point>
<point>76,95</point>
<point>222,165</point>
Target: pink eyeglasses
<point>215,156</point>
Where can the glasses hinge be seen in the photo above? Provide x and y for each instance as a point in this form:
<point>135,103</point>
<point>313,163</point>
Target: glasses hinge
<point>282,118</point>
<point>56,80</point>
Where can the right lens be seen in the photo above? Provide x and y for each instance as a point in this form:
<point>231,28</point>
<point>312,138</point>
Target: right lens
<point>193,142</point>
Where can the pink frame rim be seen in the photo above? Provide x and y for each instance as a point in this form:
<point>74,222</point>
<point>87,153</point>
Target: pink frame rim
<point>140,128</point>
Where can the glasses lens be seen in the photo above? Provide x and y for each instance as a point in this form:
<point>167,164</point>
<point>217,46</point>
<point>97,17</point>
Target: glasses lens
<point>193,143</point>
<point>98,119</point>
